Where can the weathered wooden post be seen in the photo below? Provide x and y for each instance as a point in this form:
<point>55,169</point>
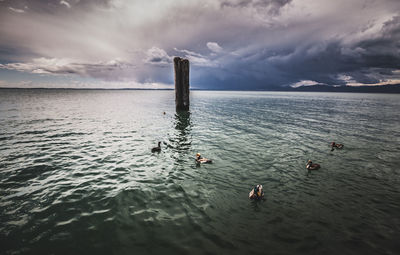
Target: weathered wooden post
<point>181,67</point>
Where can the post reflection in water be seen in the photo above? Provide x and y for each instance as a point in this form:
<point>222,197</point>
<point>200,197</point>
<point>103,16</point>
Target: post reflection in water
<point>182,138</point>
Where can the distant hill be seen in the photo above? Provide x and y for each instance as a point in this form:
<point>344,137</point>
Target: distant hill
<point>359,89</point>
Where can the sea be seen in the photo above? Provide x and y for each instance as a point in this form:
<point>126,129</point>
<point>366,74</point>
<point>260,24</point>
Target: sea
<point>77,175</point>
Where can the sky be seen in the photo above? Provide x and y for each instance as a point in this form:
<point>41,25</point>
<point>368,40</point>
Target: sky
<point>238,44</point>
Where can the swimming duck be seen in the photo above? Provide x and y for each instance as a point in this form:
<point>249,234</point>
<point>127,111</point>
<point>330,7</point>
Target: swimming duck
<point>157,149</point>
<point>311,166</point>
<point>257,192</point>
<point>199,159</point>
<point>336,145</point>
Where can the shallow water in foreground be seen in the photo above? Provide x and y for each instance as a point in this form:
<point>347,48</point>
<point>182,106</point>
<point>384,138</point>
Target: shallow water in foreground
<point>77,175</point>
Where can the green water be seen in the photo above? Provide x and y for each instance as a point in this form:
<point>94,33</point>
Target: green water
<point>77,175</point>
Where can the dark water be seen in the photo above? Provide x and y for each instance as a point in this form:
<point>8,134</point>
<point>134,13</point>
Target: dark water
<point>77,175</point>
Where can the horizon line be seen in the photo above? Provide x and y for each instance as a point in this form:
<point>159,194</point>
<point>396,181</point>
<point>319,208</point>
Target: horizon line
<point>348,89</point>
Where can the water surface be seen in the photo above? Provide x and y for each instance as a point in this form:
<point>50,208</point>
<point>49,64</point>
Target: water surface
<point>77,175</point>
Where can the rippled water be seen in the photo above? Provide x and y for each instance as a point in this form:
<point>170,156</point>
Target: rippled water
<point>77,175</point>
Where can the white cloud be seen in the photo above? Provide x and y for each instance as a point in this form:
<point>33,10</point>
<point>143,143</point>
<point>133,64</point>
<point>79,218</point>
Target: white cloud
<point>191,53</point>
<point>62,2</point>
<point>17,84</point>
<point>197,59</point>
<point>213,46</point>
<point>64,66</point>
<point>345,78</point>
<point>382,82</point>
<point>85,83</point>
<point>157,56</point>
<point>304,83</point>
<point>201,61</point>
<point>16,10</point>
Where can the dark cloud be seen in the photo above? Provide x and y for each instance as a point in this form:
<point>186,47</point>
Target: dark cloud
<point>335,62</point>
<point>240,44</point>
<point>271,7</point>
<point>366,61</point>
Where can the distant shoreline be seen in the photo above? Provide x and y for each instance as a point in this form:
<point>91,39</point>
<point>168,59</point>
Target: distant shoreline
<point>317,88</point>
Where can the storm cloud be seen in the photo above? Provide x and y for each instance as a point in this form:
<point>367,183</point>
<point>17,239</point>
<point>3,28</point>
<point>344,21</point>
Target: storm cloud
<point>241,44</point>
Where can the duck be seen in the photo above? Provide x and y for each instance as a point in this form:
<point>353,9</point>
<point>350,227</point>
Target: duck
<point>339,146</point>
<point>157,149</point>
<point>311,166</point>
<point>257,192</point>
<point>199,159</point>
<point>336,145</point>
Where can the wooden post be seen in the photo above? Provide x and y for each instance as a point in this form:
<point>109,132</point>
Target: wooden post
<point>181,67</point>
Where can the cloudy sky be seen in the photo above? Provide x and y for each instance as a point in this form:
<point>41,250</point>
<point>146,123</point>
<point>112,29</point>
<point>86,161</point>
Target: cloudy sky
<point>238,44</point>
